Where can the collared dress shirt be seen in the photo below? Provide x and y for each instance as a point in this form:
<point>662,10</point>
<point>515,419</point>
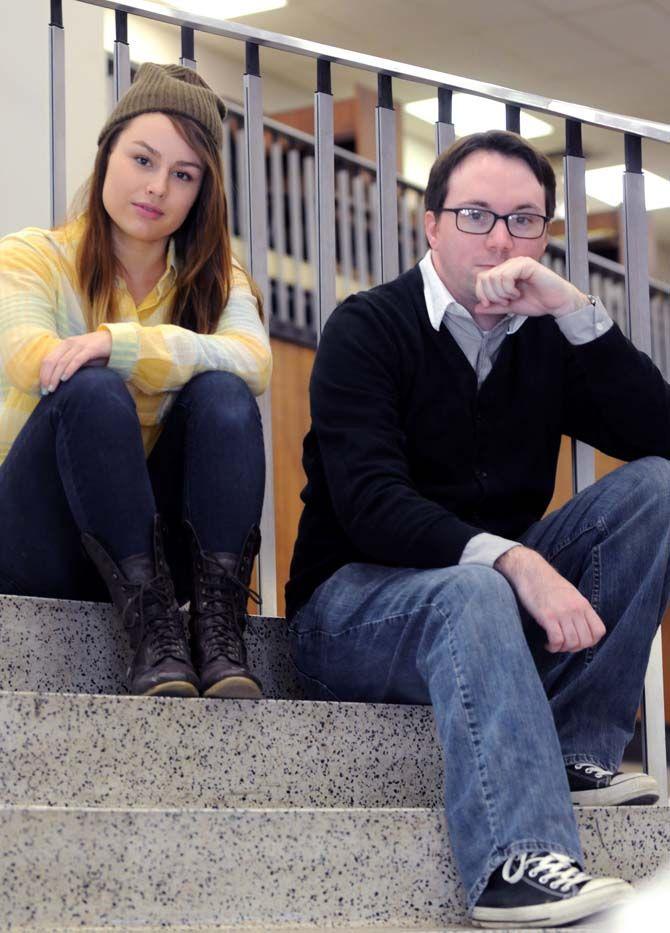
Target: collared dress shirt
<point>481,349</point>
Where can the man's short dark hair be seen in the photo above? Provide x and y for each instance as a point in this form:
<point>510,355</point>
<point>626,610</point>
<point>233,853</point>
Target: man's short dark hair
<point>507,144</point>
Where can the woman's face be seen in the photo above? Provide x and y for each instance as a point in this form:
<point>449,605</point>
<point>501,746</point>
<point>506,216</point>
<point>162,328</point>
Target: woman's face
<point>153,177</point>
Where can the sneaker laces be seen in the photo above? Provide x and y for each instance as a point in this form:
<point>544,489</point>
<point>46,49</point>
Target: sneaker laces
<point>560,870</point>
<point>592,769</point>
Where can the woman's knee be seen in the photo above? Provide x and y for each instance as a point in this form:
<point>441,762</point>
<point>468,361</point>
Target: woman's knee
<point>93,384</point>
<point>224,397</point>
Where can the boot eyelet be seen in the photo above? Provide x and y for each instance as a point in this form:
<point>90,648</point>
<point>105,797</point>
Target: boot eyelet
<point>115,576</point>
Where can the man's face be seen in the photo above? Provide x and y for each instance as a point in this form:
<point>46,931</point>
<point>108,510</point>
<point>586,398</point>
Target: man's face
<point>498,183</point>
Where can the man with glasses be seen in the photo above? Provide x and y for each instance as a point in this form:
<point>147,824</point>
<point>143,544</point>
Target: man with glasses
<point>424,571</point>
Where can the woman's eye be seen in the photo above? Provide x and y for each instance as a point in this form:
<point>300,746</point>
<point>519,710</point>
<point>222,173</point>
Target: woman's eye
<point>183,176</point>
<point>141,160</point>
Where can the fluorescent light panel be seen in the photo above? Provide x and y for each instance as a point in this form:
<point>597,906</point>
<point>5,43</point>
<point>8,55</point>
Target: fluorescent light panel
<point>225,9</point>
<point>606,184</point>
<point>476,114</point>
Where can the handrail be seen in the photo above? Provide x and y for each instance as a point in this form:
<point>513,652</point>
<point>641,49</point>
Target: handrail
<point>632,125</point>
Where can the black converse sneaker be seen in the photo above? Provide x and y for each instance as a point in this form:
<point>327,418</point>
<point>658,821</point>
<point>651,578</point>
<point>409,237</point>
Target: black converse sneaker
<point>592,786</point>
<point>544,889</point>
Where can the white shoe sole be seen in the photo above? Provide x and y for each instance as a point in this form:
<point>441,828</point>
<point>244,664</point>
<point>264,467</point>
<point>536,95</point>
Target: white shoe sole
<point>634,790</point>
<point>558,913</point>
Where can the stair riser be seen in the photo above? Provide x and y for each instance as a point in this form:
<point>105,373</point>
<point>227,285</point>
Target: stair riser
<point>56,646</point>
<point>150,752</point>
<point>254,866</point>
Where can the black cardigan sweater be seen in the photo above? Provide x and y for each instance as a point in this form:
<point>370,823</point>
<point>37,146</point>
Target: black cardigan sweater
<point>406,459</point>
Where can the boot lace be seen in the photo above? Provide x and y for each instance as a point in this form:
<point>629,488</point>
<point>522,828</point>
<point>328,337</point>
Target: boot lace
<point>222,612</point>
<point>153,606</point>
<point>558,871</point>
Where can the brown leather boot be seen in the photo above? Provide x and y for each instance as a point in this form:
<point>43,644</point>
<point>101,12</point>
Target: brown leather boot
<point>142,592</point>
<point>218,618</point>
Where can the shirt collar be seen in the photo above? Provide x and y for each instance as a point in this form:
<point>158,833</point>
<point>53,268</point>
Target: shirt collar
<point>440,301</point>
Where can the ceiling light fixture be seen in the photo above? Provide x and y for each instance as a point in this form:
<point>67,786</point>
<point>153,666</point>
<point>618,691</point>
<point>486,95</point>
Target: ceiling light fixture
<point>606,184</point>
<point>476,114</point>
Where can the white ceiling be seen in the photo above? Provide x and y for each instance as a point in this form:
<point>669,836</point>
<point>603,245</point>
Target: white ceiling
<point>610,54</point>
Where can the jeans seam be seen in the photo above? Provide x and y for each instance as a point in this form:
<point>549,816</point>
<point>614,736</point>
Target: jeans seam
<point>361,625</point>
<point>571,538</point>
<point>466,703</point>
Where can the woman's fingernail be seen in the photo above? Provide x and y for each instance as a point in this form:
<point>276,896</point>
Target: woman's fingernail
<point>51,388</point>
<point>44,391</point>
<point>64,378</point>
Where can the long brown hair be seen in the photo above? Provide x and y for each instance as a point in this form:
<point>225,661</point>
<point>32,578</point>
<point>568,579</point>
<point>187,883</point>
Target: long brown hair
<point>202,243</point>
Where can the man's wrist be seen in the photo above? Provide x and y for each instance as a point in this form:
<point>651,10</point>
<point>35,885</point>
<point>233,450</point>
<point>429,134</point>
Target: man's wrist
<point>578,300</point>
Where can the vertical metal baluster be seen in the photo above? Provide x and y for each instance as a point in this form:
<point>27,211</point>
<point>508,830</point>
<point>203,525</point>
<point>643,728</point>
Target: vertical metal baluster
<point>513,118</point>
<point>421,242</point>
<point>387,184</point>
<point>406,251</point>
<point>445,133</point>
<point>227,160</point>
<point>324,147</point>
<point>58,188</point>
<point>295,217</point>
<point>187,48</point>
<point>375,234</point>
<point>657,341</point>
<point>344,227</point>
<point>309,196</point>
<point>279,227</point>
<point>637,291</point>
<point>256,209</point>
<point>240,148</point>
<point>360,231</point>
<point>121,56</point>
<point>577,246</point>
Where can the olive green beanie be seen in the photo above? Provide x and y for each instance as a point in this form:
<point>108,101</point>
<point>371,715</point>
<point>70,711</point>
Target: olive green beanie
<point>171,89</point>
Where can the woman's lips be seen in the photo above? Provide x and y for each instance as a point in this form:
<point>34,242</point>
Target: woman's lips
<point>145,210</point>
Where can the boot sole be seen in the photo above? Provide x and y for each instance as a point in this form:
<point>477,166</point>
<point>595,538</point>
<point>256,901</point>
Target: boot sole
<point>172,688</point>
<point>234,688</point>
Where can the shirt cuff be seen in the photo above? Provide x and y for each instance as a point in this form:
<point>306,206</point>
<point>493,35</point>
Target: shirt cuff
<point>485,549</point>
<point>125,347</point>
<point>585,324</point>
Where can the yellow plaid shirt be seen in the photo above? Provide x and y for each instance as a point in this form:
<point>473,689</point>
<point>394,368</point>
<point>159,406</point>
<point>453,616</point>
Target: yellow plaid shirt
<point>40,305</point>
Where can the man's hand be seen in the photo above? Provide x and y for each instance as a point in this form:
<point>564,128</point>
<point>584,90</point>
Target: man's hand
<point>524,286</point>
<point>71,354</point>
<point>556,605</point>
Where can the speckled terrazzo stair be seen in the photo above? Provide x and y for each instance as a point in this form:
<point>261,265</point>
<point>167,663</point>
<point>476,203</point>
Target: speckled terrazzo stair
<point>143,813</point>
<point>52,645</point>
<point>85,751</point>
<point>265,866</point>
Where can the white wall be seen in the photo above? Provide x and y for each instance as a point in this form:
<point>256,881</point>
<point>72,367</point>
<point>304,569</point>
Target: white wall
<point>24,105</point>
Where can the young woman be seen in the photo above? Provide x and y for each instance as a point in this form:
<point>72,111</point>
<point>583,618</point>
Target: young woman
<point>131,346</point>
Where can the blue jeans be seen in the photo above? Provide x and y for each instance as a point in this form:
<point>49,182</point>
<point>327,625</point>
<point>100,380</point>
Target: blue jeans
<point>509,714</point>
<point>79,465</point>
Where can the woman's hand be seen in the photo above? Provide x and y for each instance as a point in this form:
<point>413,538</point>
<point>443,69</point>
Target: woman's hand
<point>70,355</point>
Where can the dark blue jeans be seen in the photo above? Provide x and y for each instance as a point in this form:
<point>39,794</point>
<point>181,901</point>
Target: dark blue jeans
<point>79,465</point>
<point>508,713</point>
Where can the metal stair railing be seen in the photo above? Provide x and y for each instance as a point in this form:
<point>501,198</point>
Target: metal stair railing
<point>320,188</point>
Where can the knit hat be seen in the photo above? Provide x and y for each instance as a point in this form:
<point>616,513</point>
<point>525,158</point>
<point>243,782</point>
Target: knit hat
<point>170,89</point>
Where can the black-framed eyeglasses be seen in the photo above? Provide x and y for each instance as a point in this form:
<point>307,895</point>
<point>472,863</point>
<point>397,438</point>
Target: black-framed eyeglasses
<point>479,221</point>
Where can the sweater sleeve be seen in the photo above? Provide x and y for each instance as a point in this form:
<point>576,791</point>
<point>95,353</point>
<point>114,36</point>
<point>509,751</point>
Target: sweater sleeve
<point>616,399</point>
<point>28,299</point>
<point>355,394</point>
<point>165,357</point>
